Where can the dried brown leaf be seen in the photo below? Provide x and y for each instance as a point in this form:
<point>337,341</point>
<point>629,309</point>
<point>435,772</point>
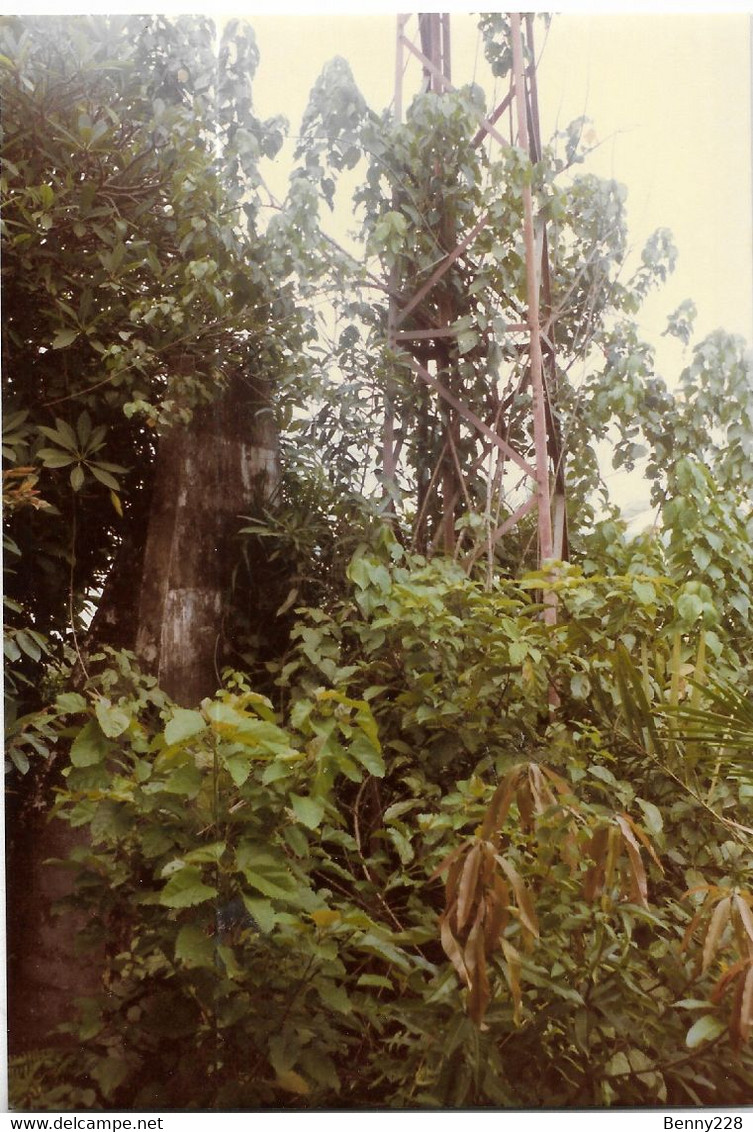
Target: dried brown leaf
<point>639,884</point>
<point>690,929</point>
<point>523,899</point>
<point>614,848</point>
<point>542,795</point>
<point>560,784</point>
<point>593,882</point>
<point>451,885</point>
<point>744,912</point>
<point>525,805</point>
<point>644,840</point>
<point>724,980</point>
<point>497,915</point>
<point>512,971</point>
<point>447,861</point>
<point>569,849</point>
<point>499,806</point>
<point>478,994</point>
<point>468,893</point>
<point>746,1005</point>
<point>452,949</point>
<point>471,946</point>
<point>717,924</point>
<point>709,889</point>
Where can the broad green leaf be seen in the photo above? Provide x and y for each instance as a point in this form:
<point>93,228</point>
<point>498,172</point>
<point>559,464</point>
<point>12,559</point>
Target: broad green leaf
<point>27,644</point>
<point>64,434</point>
<point>334,996</point>
<point>689,607</point>
<point>90,745</point>
<point>186,888</point>
<point>184,724</point>
<point>112,719</point>
<point>185,781</point>
<point>109,1072</point>
<point>467,339</point>
<point>326,917</point>
<point>580,686</point>
<point>239,766</point>
<point>194,947</point>
<point>363,750</point>
<point>651,815</point>
<point>262,911</point>
<point>373,945</point>
<point>704,1030</point>
<point>602,773</point>
<point>55,457</point>
<point>292,1082</point>
<point>309,811</point>
<point>265,871</point>
<point>374,981</point>
<point>64,338</point>
<point>104,476</point>
<point>645,592</point>
<point>71,702</point>
<point>213,853</point>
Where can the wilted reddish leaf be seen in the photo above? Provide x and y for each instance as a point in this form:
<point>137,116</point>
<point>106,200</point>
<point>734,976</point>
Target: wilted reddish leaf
<point>593,882</point>
<point>729,976</point>
<point>717,924</point>
<point>497,915</point>
<point>639,884</point>
<point>746,1005</point>
<point>744,912</point>
<point>452,949</point>
<point>525,805</point>
<point>523,899</point>
<point>644,840</point>
<point>479,994</point>
<point>499,806</point>
<point>467,895</point>
<point>447,861</point>
<point>561,786</point>
<point>512,955</point>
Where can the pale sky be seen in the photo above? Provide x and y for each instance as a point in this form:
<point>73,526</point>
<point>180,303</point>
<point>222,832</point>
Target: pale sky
<point>669,95</point>
<point>668,92</point>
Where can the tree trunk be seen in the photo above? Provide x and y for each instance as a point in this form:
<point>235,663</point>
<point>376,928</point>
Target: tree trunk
<point>166,597</point>
<point>208,474</point>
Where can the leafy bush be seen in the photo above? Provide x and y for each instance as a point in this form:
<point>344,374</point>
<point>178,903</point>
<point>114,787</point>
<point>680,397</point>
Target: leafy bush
<point>268,878</point>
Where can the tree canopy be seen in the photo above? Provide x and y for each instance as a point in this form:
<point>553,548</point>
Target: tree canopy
<point>422,848</point>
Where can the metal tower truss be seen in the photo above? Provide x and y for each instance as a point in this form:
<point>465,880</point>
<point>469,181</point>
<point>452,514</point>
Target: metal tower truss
<point>534,334</point>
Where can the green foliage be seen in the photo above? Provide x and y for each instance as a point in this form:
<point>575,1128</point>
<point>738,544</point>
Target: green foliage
<point>135,283</point>
<point>454,857</point>
<point>266,879</point>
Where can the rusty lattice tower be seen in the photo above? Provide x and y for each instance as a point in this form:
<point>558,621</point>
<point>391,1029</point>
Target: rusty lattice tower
<point>424,41</point>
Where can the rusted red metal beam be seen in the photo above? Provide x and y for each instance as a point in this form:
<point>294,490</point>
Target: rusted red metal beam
<point>470,416</point>
<point>439,272</point>
<point>447,85</point>
<point>532,298</point>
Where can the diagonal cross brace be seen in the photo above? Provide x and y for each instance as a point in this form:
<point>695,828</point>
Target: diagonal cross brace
<point>486,124</point>
<point>476,421</point>
<point>439,272</point>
